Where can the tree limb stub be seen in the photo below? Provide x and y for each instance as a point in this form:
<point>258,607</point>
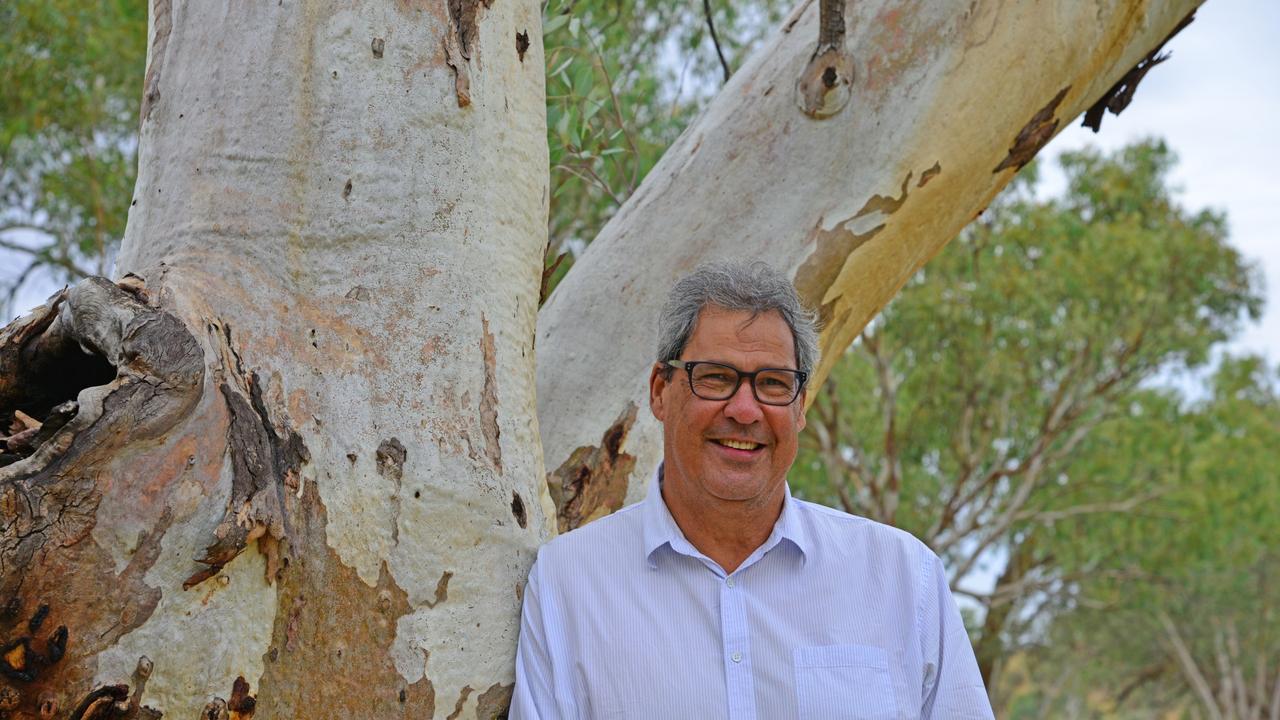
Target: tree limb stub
<point>93,347</point>
<point>1120,95</point>
<point>824,87</point>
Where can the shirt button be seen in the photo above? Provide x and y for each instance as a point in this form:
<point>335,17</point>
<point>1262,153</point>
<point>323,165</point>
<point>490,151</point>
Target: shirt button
<point>729,582</point>
<point>737,657</point>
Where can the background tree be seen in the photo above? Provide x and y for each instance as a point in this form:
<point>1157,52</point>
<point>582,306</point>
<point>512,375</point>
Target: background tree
<point>68,133</point>
<point>296,437</point>
<point>1191,625</point>
<point>963,413</point>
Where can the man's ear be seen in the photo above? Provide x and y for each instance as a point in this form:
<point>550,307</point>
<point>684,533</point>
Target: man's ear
<point>658,381</point>
<point>800,401</point>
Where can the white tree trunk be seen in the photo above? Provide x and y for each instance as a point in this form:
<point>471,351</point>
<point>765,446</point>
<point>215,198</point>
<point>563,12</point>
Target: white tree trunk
<point>344,207</point>
<point>947,100</point>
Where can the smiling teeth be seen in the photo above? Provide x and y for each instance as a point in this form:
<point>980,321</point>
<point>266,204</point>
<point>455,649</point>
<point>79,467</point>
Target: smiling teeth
<point>738,445</point>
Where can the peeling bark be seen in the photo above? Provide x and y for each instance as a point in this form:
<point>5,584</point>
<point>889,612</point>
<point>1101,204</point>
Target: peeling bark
<point>461,72</point>
<point>929,174</point>
<point>1120,95</point>
<point>460,43</point>
<point>493,703</point>
<point>340,631</point>
<point>161,17</point>
<point>517,510</point>
<point>522,44</point>
<point>593,482</point>
<point>1033,136</point>
<point>489,398</point>
<point>264,465</point>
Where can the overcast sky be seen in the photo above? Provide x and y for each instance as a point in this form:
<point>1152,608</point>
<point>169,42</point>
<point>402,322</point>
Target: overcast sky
<point>1217,103</point>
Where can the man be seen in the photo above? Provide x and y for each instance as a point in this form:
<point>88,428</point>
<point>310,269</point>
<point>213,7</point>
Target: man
<point>720,595</point>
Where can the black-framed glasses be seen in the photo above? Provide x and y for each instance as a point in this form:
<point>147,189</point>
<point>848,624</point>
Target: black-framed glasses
<point>717,381</point>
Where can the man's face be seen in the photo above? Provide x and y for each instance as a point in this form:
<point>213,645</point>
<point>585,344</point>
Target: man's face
<point>697,432</point>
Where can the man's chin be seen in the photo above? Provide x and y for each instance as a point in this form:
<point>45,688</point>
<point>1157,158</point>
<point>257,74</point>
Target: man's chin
<point>737,486</point>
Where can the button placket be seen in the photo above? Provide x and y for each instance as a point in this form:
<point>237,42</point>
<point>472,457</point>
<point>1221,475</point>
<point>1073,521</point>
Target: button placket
<point>740,684</point>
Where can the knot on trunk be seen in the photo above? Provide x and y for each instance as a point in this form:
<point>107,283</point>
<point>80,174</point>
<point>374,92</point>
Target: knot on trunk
<point>90,343</point>
<point>266,456</point>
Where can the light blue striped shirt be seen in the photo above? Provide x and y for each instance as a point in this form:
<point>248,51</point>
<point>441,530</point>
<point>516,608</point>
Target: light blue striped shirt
<point>834,616</point>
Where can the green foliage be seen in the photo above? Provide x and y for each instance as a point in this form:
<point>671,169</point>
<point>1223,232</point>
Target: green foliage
<point>1205,555</point>
<point>623,81</point>
<point>68,122</point>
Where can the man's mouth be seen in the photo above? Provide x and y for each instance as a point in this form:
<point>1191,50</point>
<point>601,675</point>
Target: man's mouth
<point>738,444</point>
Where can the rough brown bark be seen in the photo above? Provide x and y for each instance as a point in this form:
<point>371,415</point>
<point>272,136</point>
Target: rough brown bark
<point>147,375</point>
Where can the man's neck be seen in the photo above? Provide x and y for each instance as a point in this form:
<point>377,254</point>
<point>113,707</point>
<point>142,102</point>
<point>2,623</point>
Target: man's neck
<point>723,530</point>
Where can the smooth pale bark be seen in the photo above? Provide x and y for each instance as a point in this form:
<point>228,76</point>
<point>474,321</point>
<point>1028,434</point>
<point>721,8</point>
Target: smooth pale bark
<point>948,99</point>
<point>324,379</point>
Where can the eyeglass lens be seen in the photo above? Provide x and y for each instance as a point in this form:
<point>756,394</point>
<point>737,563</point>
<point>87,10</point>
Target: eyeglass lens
<point>718,382</point>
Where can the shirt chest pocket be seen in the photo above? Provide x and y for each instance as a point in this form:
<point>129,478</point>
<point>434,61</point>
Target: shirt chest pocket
<point>838,682</point>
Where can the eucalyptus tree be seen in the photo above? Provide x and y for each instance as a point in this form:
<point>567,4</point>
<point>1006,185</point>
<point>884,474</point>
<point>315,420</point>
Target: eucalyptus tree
<point>297,437</point>
<point>1192,620</point>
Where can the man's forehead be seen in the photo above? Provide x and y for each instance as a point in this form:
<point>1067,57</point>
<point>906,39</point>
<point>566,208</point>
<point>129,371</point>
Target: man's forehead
<point>718,328</point>
<point>743,318</point>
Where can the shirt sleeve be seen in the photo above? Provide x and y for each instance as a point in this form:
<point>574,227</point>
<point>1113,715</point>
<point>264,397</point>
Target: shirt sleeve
<point>534,696</point>
<point>953,686</point>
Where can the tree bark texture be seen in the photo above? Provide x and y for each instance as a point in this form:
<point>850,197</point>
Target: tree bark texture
<point>948,100</point>
<point>289,465</point>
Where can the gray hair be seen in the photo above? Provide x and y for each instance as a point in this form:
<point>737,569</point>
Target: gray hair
<point>754,287</point>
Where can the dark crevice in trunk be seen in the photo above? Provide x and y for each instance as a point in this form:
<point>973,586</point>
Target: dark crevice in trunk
<point>43,368</point>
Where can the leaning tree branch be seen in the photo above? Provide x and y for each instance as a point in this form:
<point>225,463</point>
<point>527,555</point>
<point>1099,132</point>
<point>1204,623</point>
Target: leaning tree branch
<point>1187,663</point>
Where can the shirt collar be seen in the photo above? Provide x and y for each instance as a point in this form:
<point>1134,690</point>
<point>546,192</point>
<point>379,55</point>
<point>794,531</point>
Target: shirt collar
<point>661,529</point>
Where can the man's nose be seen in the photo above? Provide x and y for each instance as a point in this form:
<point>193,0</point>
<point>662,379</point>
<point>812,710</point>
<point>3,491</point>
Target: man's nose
<point>742,406</point>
